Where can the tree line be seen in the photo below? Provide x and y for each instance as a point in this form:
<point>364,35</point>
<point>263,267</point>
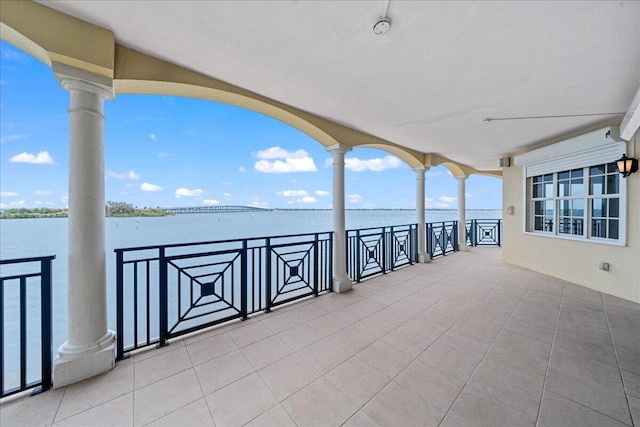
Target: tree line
<point>116,209</point>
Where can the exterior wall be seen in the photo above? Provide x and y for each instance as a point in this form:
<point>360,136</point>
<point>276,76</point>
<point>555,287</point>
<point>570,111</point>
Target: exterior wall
<point>576,261</point>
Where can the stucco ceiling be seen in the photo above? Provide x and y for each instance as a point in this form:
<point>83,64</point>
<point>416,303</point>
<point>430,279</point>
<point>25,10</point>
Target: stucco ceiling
<point>427,84</point>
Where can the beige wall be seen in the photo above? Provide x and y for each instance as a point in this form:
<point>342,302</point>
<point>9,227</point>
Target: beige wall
<point>576,261</point>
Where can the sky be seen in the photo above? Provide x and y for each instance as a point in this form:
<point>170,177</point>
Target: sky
<point>163,151</point>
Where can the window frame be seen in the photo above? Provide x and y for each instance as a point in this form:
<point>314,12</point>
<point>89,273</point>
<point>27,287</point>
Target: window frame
<point>588,200</point>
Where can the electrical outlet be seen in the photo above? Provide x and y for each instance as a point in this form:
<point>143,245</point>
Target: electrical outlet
<point>604,266</point>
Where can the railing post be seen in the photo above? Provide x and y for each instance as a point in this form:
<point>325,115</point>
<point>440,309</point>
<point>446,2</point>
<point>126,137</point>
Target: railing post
<point>429,232</point>
<point>267,272</point>
<point>164,300</point>
<point>23,332</point>
<point>384,251</point>
<point>414,243</point>
<point>329,261</point>
<point>45,322</point>
<point>455,236</point>
<point>392,249</point>
<point>120,305</point>
<point>499,232</point>
<point>443,243</point>
<point>358,252</point>
<point>243,281</point>
<point>474,232</point>
<point>315,265</point>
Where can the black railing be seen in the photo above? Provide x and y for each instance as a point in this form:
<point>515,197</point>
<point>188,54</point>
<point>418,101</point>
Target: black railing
<point>379,250</point>
<point>170,290</point>
<point>484,232</point>
<point>442,238</point>
<point>24,323</point>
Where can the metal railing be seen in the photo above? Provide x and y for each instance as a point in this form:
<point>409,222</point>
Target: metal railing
<point>377,250</point>
<point>170,290</point>
<point>484,232</point>
<point>442,238</point>
<point>24,323</point>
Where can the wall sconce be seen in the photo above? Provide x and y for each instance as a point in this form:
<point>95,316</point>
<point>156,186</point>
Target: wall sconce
<point>627,165</point>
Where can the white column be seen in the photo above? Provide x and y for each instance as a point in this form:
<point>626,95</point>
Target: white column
<point>90,346</point>
<point>462,214</point>
<point>341,281</point>
<point>422,253</point>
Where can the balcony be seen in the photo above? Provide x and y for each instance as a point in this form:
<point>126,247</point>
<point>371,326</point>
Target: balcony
<point>464,340</point>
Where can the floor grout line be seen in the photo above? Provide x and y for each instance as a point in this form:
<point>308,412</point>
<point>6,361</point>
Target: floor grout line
<point>546,374</point>
<point>615,352</point>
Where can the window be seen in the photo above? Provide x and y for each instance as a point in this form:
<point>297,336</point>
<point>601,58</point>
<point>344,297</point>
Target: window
<point>581,203</point>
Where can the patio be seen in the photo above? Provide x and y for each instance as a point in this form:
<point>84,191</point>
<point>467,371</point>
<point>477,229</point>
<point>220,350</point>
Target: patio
<point>463,340</point>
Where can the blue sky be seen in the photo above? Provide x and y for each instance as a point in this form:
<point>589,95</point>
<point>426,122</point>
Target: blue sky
<point>168,151</point>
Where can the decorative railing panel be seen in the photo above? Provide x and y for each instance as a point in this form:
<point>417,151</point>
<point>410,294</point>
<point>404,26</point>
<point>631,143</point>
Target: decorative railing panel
<point>25,325</point>
<point>484,232</point>
<point>442,238</point>
<point>377,250</point>
<point>167,291</point>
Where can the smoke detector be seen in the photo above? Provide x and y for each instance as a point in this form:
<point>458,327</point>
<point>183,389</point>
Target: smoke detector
<point>382,26</point>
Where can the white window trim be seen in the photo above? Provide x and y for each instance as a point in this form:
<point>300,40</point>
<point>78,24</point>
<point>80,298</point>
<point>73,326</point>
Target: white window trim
<point>596,149</point>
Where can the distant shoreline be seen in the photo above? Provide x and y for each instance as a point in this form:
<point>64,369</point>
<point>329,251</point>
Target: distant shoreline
<point>146,213</point>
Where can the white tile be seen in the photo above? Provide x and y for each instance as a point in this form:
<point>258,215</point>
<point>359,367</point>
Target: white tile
<point>265,352</point>
<point>163,397</point>
<point>319,403</point>
<point>116,412</point>
<point>288,375</point>
<point>95,391</point>
<point>195,414</point>
<point>222,371</point>
<point>240,402</point>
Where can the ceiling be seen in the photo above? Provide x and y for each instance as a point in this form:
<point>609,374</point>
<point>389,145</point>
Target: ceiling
<point>427,84</point>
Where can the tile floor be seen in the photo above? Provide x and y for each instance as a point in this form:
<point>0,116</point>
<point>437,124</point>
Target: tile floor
<point>463,341</point>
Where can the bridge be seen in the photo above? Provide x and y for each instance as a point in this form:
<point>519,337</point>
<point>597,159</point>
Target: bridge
<point>213,209</point>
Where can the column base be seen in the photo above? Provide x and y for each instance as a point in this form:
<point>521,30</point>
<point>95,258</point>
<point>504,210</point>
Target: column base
<point>76,363</point>
<point>423,258</point>
<point>342,283</point>
<point>463,247</point>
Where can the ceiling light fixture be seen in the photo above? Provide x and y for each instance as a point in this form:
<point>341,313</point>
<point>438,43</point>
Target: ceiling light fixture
<point>562,116</point>
<point>384,24</point>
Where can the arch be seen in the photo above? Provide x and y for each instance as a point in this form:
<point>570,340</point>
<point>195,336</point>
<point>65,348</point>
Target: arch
<point>52,36</point>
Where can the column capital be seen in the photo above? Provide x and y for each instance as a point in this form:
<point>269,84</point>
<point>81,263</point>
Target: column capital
<point>461,178</point>
<point>339,148</point>
<point>421,169</point>
<point>71,78</point>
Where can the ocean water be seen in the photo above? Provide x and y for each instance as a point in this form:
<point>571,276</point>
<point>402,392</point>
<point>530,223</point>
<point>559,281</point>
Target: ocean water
<point>40,237</point>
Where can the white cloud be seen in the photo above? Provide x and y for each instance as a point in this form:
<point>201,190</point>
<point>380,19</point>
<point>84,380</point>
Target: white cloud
<point>447,199</point>
<point>9,194</point>
<point>293,193</point>
<point>226,195</point>
<point>308,199</point>
<point>468,195</point>
<point>37,203</point>
<point>242,169</point>
<point>150,187</point>
<point>14,204</point>
<point>185,192</point>
<point>259,204</point>
<point>211,202</point>
<point>322,193</point>
<point>286,161</point>
<point>64,197</point>
<point>356,164</point>
<point>124,175</point>
<point>42,158</point>
<point>13,137</point>
<point>162,154</point>
<point>443,202</point>
<point>354,198</point>
<point>153,137</point>
<point>130,185</point>
<point>43,192</point>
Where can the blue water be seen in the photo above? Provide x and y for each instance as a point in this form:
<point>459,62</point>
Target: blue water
<point>39,237</point>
